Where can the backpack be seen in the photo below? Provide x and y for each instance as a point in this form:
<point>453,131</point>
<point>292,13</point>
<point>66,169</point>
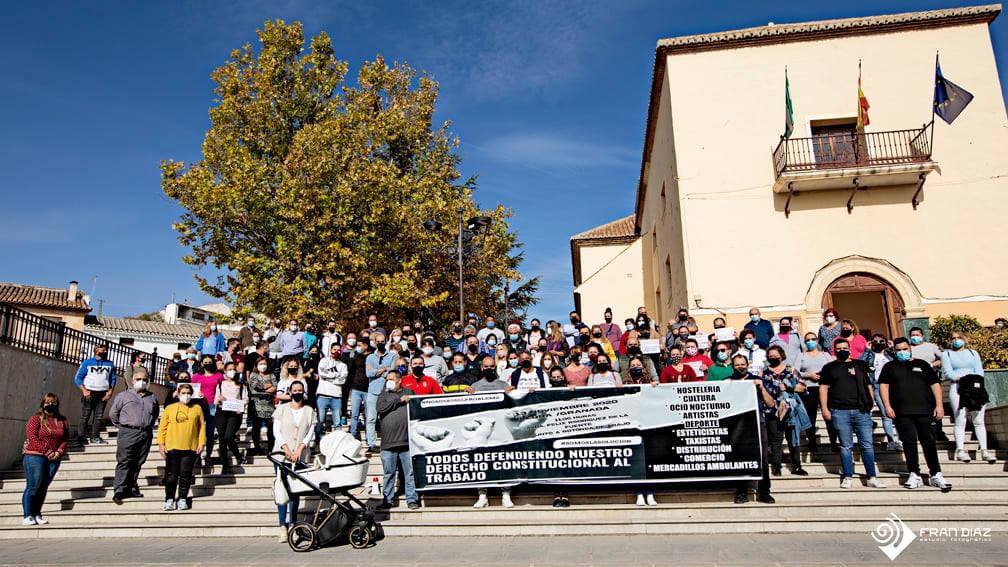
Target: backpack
<point>972,392</point>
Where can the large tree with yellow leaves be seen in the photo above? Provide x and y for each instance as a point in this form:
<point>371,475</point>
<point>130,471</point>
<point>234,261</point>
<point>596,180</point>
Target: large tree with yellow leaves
<point>311,194</point>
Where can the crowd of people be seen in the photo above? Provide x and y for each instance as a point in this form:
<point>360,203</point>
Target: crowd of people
<point>296,383</point>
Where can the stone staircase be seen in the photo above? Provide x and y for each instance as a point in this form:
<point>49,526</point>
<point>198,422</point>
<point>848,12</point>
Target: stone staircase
<point>79,502</point>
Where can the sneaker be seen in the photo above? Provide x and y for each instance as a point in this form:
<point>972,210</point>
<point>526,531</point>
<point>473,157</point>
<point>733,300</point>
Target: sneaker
<point>874,482</point>
<point>846,482</point>
<point>98,441</point>
<point>135,493</point>
<point>913,481</point>
<point>413,505</point>
<point>651,500</point>
<point>640,500</point>
<point>894,446</point>
<point>741,497</point>
<point>962,455</point>
<point>988,456</point>
<point>506,500</point>
<point>481,502</point>
<point>938,481</point>
<point>557,502</point>
<point>566,502</point>
<point>182,504</point>
<point>342,422</point>
<point>117,498</point>
<point>41,521</point>
<point>799,472</point>
<point>169,505</point>
<point>765,499</point>
<point>29,521</point>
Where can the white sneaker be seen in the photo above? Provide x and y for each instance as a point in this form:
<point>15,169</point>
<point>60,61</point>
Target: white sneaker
<point>482,501</point>
<point>987,456</point>
<point>847,482</point>
<point>283,534</point>
<point>182,504</point>
<point>169,505</point>
<point>962,455</point>
<point>41,521</point>
<point>506,500</point>
<point>651,500</point>
<point>29,521</point>
<point>938,481</point>
<point>874,482</point>
<point>913,481</point>
<point>894,446</point>
<point>640,500</point>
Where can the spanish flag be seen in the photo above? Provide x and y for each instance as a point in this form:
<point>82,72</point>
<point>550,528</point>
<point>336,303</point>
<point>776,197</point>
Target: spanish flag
<point>862,101</point>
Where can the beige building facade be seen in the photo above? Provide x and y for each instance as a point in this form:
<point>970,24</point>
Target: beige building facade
<point>607,271</point>
<point>883,224</point>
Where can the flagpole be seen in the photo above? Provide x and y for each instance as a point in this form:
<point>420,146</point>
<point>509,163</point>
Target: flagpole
<point>931,143</point>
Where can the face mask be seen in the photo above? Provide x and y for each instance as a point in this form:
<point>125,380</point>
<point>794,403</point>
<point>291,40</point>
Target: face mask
<point>293,328</point>
<point>185,398</point>
<point>456,329</point>
<point>916,340</point>
<point>380,347</point>
<point>722,355</point>
<point>740,372</point>
<point>842,355</point>
<point>958,343</point>
<point>846,332</point>
<point>230,374</point>
<point>574,320</point>
<point>749,343</point>
<point>210,367</point>
<point>492,342</point>
<point>904,355</point>
<point>636,371</point>
<point>100,355</point>
<point>351,342</point>
<point>785,329</point>
<point>608,318</point>
<point>597,335</point>
<point>372,324</point>
<point>754,318</point>
<point>490,325</point>
<point>418,371</point>
<point>547,364</point>
<point>526,364</point>
<point>683,318</point>
<point>251,323</point>
<point>292,371</point>
<point>514,338</point>
<point>629,326</point>
<point>633,350</point>
<point>878,346</point>
<point>513,363</point>
<point>489,374</point>
<point>585,339</point>
<point>691,351</point>
<point>602,367</point>
<point>811,345</point>
<point>140,385</point>
<point>458,367</point>
<point>446,354</point>
<point>213,328</point>
<point>51,409</point>
<point>675,358</point>
<point>262,368</point>
<point>428,350</point>
<point>390,385</point>
<point>297,397</point>
<point>190,357</point>
<point>401,369</point>
<point>773,361</point>
<point>830,319</point>
<point>256,339</point>
<point>472,349</point>
<point>359,349</point>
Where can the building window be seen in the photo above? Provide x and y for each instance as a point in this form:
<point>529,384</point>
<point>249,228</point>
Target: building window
<point>837,142</point>
<point>125,341</point>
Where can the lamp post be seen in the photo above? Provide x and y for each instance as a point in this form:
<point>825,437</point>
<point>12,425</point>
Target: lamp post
<point>466,232</point>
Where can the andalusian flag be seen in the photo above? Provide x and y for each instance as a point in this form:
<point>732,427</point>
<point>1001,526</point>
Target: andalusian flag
<point>788,109</point>
<point>862,102</point>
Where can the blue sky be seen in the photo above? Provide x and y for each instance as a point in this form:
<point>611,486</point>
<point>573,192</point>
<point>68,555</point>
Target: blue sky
<point>549,100</point>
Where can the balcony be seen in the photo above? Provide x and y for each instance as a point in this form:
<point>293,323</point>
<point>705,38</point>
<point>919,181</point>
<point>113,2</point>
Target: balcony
<point>853,160</point>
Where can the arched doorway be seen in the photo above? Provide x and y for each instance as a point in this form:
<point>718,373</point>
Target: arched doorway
<point>868,300</point>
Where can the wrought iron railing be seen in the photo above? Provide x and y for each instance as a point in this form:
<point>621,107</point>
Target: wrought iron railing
<point>27,331</point>
<point>837,150</point>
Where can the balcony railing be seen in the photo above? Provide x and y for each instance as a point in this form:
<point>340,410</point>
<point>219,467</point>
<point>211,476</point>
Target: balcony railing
<point>27,331</point>
<point>838,150</point>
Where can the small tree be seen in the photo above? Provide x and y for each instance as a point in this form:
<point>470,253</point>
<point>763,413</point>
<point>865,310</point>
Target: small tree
<point>943,327</point>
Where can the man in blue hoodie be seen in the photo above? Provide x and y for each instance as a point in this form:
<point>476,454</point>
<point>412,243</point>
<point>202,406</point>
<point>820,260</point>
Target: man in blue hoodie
<point>96,379</point>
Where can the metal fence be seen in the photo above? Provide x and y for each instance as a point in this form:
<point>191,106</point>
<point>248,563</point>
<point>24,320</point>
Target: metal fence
<point>853,149</point>
<point>26,331</point>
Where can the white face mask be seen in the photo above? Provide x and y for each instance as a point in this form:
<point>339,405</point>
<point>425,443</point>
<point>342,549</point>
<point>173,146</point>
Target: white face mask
<point>230,374</point>
<point>185,398</point>
<point>293,328</point>
<point>351,342</point>
<point>262,368</point>
<point>213,327</point>
<point>830,319</point>
<point>390,385</point>
<point>428,350</point>
<point>140,385</point>
<point>547,363</point>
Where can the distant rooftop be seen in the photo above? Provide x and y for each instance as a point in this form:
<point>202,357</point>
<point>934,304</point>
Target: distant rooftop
<point>39,296</point>
<point>182,330</point>
<point>620,228</point>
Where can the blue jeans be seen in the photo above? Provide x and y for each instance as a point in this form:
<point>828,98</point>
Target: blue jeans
<point>389,460</point>
<point>321,404</point>
<point>847,422</point>
<point>356,399</point>
<point>371,409</point>
<point>287,513</point>
<point>39,472</point>
<point>887,424</point>
<point>210,416</point>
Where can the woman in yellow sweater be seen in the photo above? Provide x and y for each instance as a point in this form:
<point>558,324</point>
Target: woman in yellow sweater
<point>181,437</point>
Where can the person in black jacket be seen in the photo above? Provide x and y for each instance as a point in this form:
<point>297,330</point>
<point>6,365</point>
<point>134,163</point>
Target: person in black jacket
<point>395,454</point>
<point>461,378</point>
<point>356,361</point>
<point>846,399</point>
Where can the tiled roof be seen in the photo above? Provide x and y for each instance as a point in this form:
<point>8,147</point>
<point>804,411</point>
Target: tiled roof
<point>621,228</point>
<point>782,31</point>
<point>141,327</point>
<point>38,296</point>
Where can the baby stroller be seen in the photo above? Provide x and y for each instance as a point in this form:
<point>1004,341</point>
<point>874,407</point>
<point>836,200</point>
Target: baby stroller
<point>335,518</point>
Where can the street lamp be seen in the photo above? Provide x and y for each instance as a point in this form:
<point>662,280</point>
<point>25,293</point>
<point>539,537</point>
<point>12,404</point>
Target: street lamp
<point>467,231</point>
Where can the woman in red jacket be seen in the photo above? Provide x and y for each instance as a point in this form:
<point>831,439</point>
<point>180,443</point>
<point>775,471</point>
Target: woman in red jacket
<point>46,439</point>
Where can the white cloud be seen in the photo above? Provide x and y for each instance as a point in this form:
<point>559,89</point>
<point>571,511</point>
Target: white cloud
<point>540,150</point>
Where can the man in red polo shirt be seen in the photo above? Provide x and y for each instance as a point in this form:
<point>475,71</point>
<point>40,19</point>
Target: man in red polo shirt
<point>417,381</point>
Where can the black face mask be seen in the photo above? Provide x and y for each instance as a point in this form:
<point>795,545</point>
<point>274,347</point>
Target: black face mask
<point>785,329</point>
<point>683,317</point>
<point>292,371</point>
<point>418,371</point>
<point>526,364</point>
<point>456,329</point>
<point>878,347</point>
<point>574,320</point>
<point>209,367</point>
<point>740,373</point>
<point>51,409</point>
<point>608,318</point>
<point>842,355</point>
<point>636,371</point>
<point>472,349</point>
<point>298,397</point>
<point>380,347</point>
<point>602,367</point>
<point>773,361</point>
<point>597,335</point>
<point>633,350</point>
<point>535,327</point>
<point>846,332</point>
<point>585,339</point>
<point>489,374</point>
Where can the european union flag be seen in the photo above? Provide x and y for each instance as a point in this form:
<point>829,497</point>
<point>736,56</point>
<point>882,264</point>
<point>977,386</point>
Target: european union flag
<point>949,98</point>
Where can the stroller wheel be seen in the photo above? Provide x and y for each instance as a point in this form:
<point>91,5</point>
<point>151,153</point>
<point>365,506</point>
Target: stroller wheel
<point>302,537</point>
<point>360,536</point>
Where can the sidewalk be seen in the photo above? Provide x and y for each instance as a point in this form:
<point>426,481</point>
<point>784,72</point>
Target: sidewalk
<point>743,549</point>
